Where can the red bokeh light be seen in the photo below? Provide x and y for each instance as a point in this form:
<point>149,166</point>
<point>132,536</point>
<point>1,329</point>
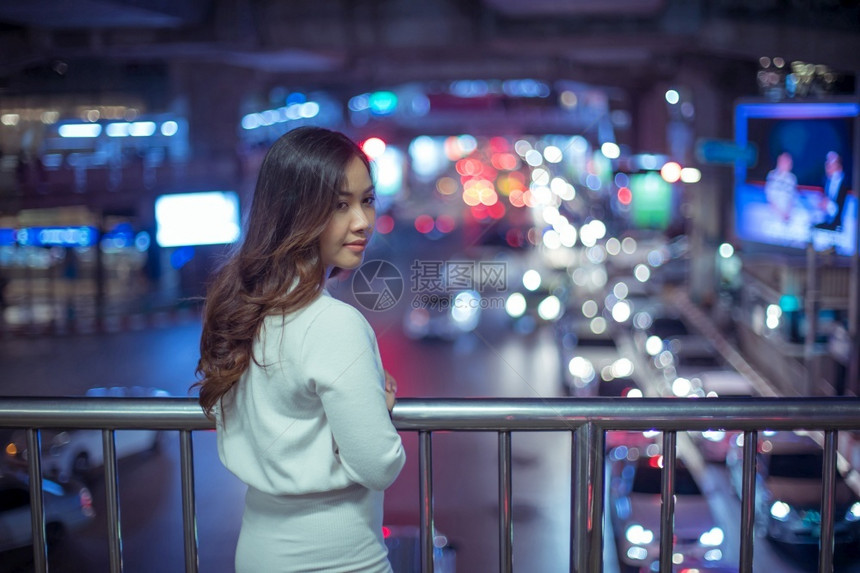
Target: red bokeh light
<point>496,210</point>
<point>479,212</point>
<point>625,196</point>
<point>499,144</point>
<point>424,224</point>
<point>384,224</point>
<point>445,223</point>
<point>514,238</point>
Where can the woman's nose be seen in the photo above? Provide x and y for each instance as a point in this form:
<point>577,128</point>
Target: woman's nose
<point>361,220</point>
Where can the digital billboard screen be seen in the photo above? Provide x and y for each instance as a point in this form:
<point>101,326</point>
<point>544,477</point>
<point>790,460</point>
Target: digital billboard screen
<point>799,187</point>
<point>206,218</point>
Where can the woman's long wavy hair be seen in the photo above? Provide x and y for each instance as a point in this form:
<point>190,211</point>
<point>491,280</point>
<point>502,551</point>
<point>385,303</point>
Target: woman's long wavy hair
<point>277,268</point>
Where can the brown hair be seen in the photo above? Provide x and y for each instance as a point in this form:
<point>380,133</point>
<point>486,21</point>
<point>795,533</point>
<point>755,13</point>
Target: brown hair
<point>277,269</point>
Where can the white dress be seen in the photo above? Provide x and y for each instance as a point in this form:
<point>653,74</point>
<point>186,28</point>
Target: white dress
<point>307,429</point>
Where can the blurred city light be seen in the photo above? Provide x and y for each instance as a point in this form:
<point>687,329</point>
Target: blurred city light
<point>424,224</point>
<point>80,130</point>
<point>610,150</point>
<point>531,280</point>
<point>382,103</point>
<point>589,308</point>
<point>552,154</point>
<point>141,128</point>
<point>621,311</point>
<point>670,172</point>
<point>690,175</point>
<point>206,218</point>
<point>373,147</point>
<point>549,308</point>
<point>581,367</point>
<point>515,305</point>
<point>169,128</point>
<point>598,325</point>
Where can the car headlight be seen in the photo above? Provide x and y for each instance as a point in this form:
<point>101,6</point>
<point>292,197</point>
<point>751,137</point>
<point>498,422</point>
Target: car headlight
<point>780,510</point>
<point>639,535</point>
<point>853,513</point>
<point>712,538</point>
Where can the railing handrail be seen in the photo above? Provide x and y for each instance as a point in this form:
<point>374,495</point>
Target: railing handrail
<point>478,414</point>
<point>585,418</point>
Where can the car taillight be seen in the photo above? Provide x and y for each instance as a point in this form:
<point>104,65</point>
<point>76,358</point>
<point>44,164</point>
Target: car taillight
<point>86,499</point>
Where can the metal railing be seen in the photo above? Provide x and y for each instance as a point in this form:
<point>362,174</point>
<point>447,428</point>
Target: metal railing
<point>587,419</point>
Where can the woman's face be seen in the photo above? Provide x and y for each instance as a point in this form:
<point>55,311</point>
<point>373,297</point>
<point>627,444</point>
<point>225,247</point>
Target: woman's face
<point>345,238</point>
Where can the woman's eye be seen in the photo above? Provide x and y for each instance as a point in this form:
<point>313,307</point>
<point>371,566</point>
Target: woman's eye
<point>370,200</point>
<point>342,206</point>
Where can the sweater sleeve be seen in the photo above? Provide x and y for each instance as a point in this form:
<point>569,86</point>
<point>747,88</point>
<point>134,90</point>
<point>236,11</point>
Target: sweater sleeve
<point>343,366</point>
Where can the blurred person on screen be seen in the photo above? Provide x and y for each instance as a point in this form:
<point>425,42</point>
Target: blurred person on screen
<point>835,190</point>
<point>780,187</point>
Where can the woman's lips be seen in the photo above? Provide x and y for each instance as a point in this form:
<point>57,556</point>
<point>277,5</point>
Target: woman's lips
<point>357,247</point>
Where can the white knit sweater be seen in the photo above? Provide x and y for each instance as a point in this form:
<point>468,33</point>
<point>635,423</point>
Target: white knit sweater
<point>309,414</point>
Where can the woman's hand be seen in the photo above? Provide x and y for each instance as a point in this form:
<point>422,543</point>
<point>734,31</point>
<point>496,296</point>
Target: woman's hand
<point>390,390</point>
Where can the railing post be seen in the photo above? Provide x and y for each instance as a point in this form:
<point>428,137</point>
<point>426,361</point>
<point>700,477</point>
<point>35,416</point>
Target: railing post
<point>597,441</point>
<point>748,500</point>
<point>667,508</point>
<point>37,507</point>
<point>506,528</point>
<point>425,485</point>
<point>586,522</point>
<point>189,513</point>
<point>112,500</point>
<point>828,500</point>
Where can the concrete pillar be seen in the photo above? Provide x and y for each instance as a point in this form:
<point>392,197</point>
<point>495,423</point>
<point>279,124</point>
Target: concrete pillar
<point>710,200</point>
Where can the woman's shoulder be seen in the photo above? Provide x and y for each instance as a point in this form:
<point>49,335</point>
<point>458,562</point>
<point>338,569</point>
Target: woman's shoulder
<point>329,311</point>
<point>324,311</point>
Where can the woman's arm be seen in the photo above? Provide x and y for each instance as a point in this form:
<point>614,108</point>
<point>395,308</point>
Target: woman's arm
<point>342,362</point>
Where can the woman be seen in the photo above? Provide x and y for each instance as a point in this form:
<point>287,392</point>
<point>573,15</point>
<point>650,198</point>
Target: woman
<point>293,376</point>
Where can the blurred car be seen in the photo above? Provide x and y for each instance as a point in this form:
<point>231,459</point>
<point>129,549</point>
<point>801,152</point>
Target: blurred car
<point>726,383</point>
<point>538,297</point>
<point>67,507</point>
<point>443,315</point>
<point>625,387</point>
<point>75,453</point>
<point>789,487</point>
<point>635,503</point>
<point>588,357</point>
<point>666,339</point>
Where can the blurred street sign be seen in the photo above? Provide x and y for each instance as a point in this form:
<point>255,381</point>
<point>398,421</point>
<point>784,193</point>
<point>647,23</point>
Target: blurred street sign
<point>724,151</point>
